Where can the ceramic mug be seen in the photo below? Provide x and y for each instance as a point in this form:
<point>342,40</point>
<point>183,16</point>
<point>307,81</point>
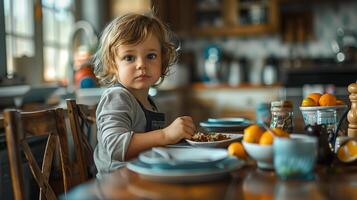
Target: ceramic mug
<point>295,157</point>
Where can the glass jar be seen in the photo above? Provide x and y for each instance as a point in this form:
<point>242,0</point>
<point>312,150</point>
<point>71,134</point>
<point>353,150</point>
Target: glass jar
<point>282,115</point>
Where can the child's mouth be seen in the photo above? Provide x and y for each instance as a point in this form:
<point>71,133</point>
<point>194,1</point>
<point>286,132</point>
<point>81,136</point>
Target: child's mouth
<point>142,77</point>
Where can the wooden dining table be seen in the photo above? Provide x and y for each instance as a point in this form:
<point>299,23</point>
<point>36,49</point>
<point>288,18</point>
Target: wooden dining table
<point>338,181</point>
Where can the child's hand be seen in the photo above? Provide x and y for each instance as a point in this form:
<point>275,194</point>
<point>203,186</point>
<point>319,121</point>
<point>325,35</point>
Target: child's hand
<point>182,127</point>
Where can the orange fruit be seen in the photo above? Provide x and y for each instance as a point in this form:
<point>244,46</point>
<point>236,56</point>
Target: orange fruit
<point>280,132</point>
<point>340,102</point>
<point>237,149</point>
<point>315,96</point>
<point>266,139</point>
<point>348,151</point>
<point>308,102</point>
<point>327,100</point>
<point>252,134</point>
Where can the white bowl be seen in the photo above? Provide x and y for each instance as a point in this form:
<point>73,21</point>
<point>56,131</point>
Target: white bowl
<point>263,154</point>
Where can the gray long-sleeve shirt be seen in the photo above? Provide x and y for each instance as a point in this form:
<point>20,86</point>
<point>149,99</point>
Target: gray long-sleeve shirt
<point>118,115</point>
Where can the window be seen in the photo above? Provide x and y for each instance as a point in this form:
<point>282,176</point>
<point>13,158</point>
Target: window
<point>19,29</point>
<point>58,20</point>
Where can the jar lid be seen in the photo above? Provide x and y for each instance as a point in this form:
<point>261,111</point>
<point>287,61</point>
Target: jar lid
<point>282,104</point>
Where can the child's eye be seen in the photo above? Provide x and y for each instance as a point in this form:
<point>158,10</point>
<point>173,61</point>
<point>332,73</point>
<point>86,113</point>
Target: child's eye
<point>151,56</point>
<point>129,58</point>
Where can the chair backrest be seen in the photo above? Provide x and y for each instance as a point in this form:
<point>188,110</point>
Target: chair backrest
<point>21,126</point>
<point>81,118</point>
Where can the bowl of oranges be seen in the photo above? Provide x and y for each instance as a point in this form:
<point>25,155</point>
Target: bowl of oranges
<point>258,144</point>
<point>315,102</point>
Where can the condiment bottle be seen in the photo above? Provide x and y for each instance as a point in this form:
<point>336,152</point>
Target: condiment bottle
<point>282,115</point>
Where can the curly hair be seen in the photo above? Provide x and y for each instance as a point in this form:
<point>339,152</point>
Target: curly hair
<point>131,29</point>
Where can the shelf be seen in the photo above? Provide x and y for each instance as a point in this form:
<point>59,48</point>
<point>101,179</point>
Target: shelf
<point>203,86</point>
<point>254,29</point>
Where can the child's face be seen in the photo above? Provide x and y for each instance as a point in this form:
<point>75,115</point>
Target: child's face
<point>139,66</point>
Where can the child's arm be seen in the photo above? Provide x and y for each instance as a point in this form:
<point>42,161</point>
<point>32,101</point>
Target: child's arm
<point>182,127</point>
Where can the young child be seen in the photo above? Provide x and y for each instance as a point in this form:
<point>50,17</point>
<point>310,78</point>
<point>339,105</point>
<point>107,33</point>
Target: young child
<point>134,53</point>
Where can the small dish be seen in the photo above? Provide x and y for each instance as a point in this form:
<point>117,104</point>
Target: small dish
<point>221,143</point>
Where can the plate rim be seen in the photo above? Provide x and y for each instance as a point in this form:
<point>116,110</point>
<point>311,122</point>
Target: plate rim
<point>182,173</point>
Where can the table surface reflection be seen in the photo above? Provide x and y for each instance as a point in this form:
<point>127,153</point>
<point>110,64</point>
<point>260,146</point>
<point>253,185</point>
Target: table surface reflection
<point>339,182</point>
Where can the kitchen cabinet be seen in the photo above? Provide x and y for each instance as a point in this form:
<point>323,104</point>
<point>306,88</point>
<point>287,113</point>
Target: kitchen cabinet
<point>219,17</point>
<point>236,17</point>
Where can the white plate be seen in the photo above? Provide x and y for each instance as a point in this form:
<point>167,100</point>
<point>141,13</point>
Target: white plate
<point>221,143</point>
<point>219,170</point>
<point>184,156</point>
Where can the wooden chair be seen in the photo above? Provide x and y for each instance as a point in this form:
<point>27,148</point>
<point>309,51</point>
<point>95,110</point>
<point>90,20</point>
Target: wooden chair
<point>81,118</point>
<point>22,126</point>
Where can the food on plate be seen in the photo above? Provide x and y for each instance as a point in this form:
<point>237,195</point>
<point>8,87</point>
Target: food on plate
<point>252,133</point>
<point>202,137</point>
<point>237,149</point>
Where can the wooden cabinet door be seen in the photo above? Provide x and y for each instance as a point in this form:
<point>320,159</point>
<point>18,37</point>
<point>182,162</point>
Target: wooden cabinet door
<point>177,14</point>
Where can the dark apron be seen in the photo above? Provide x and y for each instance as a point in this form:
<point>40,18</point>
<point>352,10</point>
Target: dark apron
<point>154,120</point>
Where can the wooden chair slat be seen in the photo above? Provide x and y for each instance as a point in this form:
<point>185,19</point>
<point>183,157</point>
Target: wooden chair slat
<point>78,115</point>
<point>45,188</point>
<point>48,156</point>
<point>64,154</point>
<point>12,141</point>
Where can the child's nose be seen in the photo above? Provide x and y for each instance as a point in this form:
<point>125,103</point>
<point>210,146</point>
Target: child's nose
<point>141,64</point>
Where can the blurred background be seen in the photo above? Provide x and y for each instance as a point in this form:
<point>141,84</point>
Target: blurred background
<point>236,55</point>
